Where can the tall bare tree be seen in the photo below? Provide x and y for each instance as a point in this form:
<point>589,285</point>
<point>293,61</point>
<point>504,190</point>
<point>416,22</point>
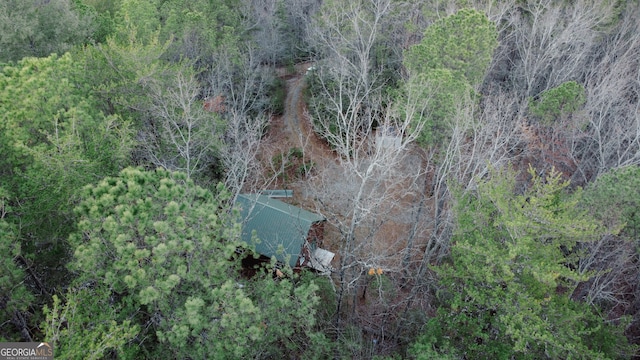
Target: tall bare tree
<point>278,28</point>
<point>364,196</point>
<point>611,123</point>
<point>183,135</point>
<point>346,82</point>
<point>552,42</point>
<point>241,84</point>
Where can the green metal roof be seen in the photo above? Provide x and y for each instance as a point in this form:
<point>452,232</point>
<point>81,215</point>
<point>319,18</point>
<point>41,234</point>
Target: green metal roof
<point>278,226</point>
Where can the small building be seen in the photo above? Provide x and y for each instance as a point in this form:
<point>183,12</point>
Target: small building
<point>290,234</point>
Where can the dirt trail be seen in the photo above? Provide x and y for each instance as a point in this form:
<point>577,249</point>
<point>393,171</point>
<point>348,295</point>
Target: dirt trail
<point>292,104</point>
<point>298,125</point>
<point>291,130</point>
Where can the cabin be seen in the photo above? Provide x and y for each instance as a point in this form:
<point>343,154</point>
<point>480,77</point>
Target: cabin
<point>290,234</point>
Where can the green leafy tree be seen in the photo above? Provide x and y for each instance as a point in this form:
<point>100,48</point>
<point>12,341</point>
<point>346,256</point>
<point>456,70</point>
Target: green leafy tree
<point>53,142</point>
<point>199,27</point>
<point>103,6</point>
<point>161,245</point>
<point>119,68</point>
<point>140,17</point>
<point>507,291</point>
<point>40,28</point>
<point>437,94</point>
<point>432,346</point>
<point>446,65</point>
<point>191,30</point>
<point>102,14</point>
<point>289,307</point>
<point>614,198</point>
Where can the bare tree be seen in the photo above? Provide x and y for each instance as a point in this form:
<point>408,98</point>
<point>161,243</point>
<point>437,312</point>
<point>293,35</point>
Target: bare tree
<point>371,189</point>
<point>552,41</point>
<point>482,136</point>
<point>346,80</point>
<point>241,83</point>
<point>544,44</point>
<point>612,266</point>
<point>366,193</point>
<point>182,135</point>
<point>363,194</point>
<point>240,150</point>
<point>279,28</point>
<point>611,123</point>
<point>268,30</point>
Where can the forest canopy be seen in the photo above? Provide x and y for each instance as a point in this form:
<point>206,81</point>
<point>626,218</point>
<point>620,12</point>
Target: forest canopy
<point>475,164</point>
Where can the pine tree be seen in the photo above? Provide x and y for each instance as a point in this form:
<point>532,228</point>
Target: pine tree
<point>15,298</point>
<point>446,65</point>
<point>164,253</point>
<point>162,247</point>
<point>507,289</point>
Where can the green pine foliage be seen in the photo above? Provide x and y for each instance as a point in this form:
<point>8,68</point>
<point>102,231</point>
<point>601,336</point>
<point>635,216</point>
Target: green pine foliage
<point>83,327</point>
<point>160,243</point>
<point>615,199</point>
<point>199,27</point>
<point>40,28</point>
<point>112,263</point>
<point>506,292</point>
<point>442,94</point>
<point>558,102</point>
<point>463,43</point>
<point>444,68</point>
<point>15,298</point>
<point>119,67</point>
<point>102,14</point>
<point>140,17</point>
<point>290,308</point>
<point>165,252</point>
<point>54,141</point>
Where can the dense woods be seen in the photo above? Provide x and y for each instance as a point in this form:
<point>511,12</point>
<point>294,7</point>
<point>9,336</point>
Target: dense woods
<point>477,163</point>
